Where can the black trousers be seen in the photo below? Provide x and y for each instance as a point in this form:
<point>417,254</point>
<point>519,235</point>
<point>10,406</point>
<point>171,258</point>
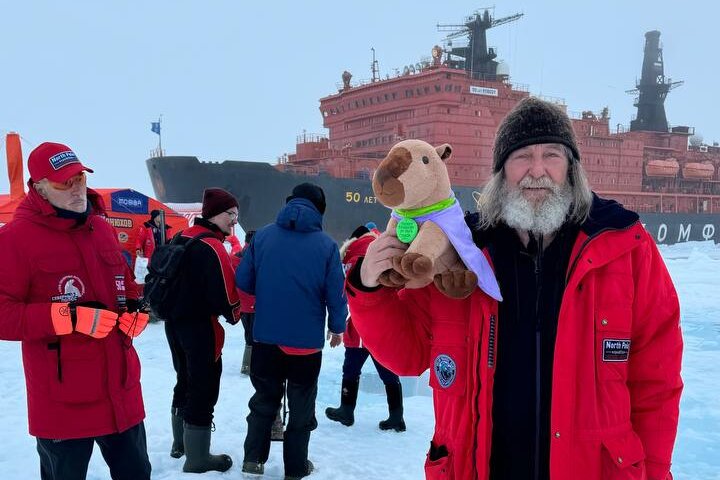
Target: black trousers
<point>192,345</point>
<point>355,358</point>
<point>248,319</point>
<point>125,454</point>
<point>269,368</point>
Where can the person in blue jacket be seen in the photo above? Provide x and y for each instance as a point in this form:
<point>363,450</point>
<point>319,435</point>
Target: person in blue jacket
<point>293,268</point>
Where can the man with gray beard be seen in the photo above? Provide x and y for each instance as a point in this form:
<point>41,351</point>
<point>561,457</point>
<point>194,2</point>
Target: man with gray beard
<point>576,373</point>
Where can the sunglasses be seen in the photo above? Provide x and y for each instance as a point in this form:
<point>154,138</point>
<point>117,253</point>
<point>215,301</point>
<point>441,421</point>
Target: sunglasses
<point>78,179</point>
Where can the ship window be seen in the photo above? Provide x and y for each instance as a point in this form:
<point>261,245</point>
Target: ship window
<point>386,97</point>
<point>356,104</point>
<point>448,88</point>
<point>418,91</point>
<point>363,102</point>
<point>447,75</point>
<point>456,89</point>
<point>426,90</point>
<point>438,88</point>
<point>394,96</point>
<point>370,100</point>
<point>378,99</point>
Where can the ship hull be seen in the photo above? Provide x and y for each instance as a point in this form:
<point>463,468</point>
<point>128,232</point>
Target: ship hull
<point>261,191</point>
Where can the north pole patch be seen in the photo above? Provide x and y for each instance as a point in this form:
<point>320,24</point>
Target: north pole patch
<point>616,349</point>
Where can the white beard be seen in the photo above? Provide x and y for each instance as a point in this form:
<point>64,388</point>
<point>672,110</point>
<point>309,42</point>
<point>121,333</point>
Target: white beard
<point>544,218</point>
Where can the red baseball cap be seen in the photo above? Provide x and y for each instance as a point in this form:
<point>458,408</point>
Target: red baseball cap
<point>54,161</point>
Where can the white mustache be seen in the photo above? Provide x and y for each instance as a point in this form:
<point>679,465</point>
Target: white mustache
<point>542,182</point>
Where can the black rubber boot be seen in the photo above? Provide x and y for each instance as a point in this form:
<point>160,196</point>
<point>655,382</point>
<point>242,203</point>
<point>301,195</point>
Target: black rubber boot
<point>245,367</point>
<point>178,447</point>
<point>395,406</point>
<point>197,452</point>
<point>309,467</point>
<point>345,413</point>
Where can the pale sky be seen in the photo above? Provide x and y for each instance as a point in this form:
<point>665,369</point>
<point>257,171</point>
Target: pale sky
<point>240,80</point>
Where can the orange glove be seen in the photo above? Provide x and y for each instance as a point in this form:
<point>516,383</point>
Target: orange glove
<point>95,322</point>
<point>133,324</point>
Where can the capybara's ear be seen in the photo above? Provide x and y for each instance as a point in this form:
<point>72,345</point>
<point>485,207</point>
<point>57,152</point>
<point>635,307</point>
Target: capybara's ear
<point>444,151</point>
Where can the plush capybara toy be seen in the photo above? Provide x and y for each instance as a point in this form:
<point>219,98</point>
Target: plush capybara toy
<point>413,180</point>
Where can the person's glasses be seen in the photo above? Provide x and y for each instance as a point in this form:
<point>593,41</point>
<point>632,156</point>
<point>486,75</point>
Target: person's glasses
<point>69,183</point>
<point>231,214</point>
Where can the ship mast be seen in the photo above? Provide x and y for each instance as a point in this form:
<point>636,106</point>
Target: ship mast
<point>652,88</point>
<point>477,59</point>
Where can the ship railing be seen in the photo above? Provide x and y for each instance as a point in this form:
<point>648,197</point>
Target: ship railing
<point>521,87</point>
<point>310,138</point>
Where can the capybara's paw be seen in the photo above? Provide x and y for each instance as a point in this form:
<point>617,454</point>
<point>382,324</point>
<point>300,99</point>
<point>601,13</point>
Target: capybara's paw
<point>456,284</point>
<point>392,279</point>
<point>414,265</point>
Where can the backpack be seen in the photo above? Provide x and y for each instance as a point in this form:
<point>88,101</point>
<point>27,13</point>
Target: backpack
<point>164,272</point>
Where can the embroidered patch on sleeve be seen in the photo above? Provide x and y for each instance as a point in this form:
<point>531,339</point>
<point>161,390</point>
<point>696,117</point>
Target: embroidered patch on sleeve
<point>616,350</point>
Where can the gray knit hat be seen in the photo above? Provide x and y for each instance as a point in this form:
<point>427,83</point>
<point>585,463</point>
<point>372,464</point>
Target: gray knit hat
<point>532,121</point>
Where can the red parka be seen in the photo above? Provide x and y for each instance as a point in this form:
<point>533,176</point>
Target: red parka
<point>350,251</point>
<point>610,418</point>
<point>77,386</point>
<point>247,301</point>
<point>145,241</point>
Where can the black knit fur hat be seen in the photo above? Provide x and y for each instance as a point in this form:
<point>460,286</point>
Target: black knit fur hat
<point>312,192</point>
<point>532,121</point>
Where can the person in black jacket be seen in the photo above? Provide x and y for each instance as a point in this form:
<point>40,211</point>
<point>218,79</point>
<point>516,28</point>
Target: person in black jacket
<point>205,291</point>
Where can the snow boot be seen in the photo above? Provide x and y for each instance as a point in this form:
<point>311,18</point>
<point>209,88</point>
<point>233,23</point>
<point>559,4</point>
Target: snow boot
<point>345,413</point>
<point>309,467</point>
<point>395,406</point>
<point>254,468</point>
<point>197,452</point>
<point>277,432</point>
<point>245,368</point>
<point>178,447</point>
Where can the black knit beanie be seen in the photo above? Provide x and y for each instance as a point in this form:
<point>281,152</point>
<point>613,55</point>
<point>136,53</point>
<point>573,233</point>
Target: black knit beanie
<point>532,121</point>
<point>359,231</point>
<point>216,201</point>
<point>310,192</point>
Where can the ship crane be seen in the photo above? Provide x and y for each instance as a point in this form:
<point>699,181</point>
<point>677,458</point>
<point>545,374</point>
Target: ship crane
<point>477,59</point>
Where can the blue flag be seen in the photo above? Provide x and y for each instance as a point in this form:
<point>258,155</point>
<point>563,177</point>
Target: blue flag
<point>155,127</point>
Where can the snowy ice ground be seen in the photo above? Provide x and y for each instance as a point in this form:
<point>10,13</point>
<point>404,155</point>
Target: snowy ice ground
<point>363,451</point>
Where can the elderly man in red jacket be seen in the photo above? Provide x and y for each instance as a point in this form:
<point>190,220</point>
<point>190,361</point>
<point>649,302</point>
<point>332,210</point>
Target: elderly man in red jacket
<point>576,373</point>
<point>65,290</point>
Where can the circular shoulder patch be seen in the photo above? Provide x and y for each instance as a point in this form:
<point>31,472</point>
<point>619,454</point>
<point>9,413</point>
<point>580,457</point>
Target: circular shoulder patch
<point>445,370</point>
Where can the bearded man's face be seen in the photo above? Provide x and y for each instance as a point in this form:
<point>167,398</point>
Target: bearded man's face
<point>536,195</point>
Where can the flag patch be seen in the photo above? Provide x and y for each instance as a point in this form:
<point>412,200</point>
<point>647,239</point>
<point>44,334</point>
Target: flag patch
<point>616,350</point>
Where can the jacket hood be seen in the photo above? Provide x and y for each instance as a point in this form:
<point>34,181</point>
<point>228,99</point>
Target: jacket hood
<point>300,215</point>
<point>37,209</point>
<point>353,247</point>
<point>607,214</point>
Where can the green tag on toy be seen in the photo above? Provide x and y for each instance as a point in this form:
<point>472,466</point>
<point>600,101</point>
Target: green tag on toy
<point>407,230</point>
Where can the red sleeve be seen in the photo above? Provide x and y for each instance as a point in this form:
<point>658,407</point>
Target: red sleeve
<point>19,320</point>
<point>394,325</point>
<point>654,367</point>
